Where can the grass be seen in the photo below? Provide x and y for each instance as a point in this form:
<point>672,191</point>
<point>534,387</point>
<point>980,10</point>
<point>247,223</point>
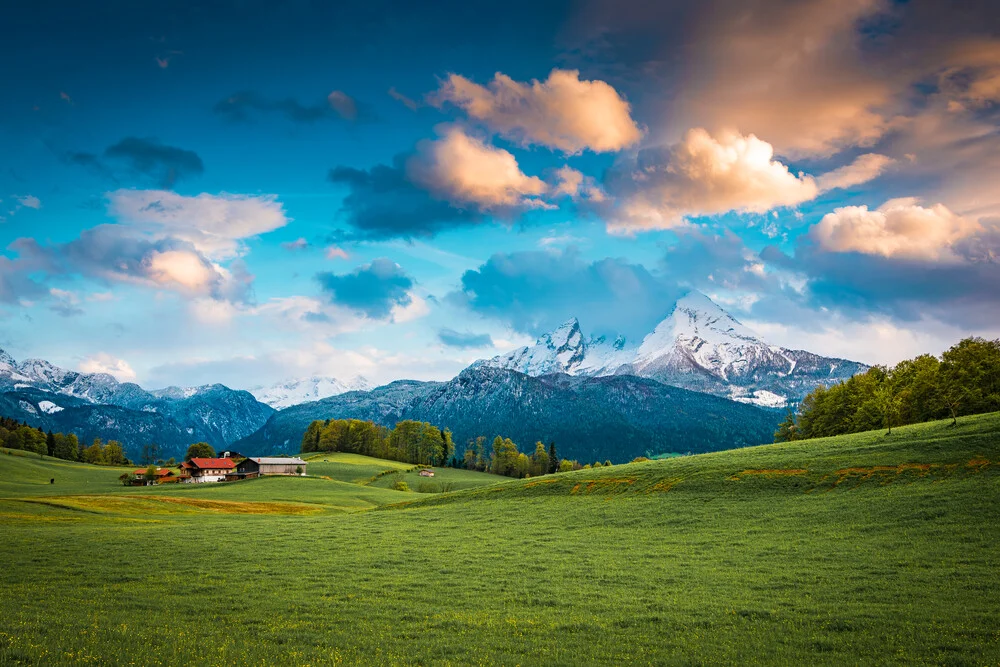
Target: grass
<point>858,549</point>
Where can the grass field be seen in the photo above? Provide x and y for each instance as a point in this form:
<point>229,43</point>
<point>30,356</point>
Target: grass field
<point>862,549</point>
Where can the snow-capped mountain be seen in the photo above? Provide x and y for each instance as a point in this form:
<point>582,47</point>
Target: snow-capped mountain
<point>697,346</point>
<point>97,405</point>
<point>303,390</point>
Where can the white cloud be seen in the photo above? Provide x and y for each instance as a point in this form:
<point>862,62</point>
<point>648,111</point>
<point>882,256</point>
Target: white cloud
<point>705,175</point>
<point>30,201</point>
<point>864,168</point>
<point>898,228</point>
<point>214,224</point>
<point>572,183</point>
<point>414,310</point>
<point>343,104</point>
<point>563,112</point>
<point>102,362</point>
<point>462,169</point>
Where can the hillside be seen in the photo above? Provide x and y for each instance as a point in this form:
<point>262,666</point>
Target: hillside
<point>617,417</point>
<point>863,548</point>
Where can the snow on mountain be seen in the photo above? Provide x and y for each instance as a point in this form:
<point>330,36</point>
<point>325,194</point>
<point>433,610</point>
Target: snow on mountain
<point>697,346</point>
<point>304,390</point>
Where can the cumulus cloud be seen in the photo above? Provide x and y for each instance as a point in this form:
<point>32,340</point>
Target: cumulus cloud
<point>703,175</point>
<point>382,203</point>
<point>373,289</point>
<point>898,228</point>
<point>563,112</point>
<point>298,244</point>
<point>335,252</point>
<point>103,362</point>
<point>214,224</point>
<point>165,164</point>
<point>573,183</point>
<point>536,291</point>
<point>864,168</point>
<point>465,170</point>
<point>464,340</point>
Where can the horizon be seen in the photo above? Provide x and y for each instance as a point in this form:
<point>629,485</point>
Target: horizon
<point>377,192</point>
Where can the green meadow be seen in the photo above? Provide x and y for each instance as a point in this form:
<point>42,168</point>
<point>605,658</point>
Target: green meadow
<point>858,549</point>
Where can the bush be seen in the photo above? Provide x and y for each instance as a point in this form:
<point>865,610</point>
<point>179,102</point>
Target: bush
<point>428,487</point>
<point>401,485</point>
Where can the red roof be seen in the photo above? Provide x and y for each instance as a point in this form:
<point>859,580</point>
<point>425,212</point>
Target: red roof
<point>162,472</point>
<point>209,463</point>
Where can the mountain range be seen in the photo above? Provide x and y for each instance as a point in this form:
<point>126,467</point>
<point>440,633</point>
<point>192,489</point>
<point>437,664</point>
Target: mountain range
<point>698,346</point>
<point>699,381</point>
<point>614,417</point>
<point>96,405</point>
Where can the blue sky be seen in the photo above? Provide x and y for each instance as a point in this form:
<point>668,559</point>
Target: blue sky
<point>244,193</point>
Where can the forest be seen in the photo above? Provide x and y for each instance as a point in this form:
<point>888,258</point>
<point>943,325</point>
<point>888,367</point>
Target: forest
<point>410,441</point>
<point>17,435</point>
<point>964,380</point>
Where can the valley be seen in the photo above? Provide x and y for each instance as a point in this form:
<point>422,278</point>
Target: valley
<point>809,552</point>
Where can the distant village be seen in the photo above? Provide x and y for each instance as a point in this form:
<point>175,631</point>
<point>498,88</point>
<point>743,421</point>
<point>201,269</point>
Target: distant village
<point>229,467</point>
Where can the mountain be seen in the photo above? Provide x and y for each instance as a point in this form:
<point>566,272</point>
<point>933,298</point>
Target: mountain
<point>96,405</point>
<point>615,417</point>
<point>302,390</point>
<point>698,346</point>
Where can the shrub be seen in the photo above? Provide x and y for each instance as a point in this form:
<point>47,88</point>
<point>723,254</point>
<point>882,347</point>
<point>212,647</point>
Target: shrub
<point>428,487</point>
<point>401,485</point>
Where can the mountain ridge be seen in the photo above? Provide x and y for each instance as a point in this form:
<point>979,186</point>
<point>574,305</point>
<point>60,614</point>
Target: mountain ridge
<point>697,346</point>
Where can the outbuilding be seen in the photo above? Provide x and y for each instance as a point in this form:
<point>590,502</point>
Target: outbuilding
<point>426,473</point>
<point>271,465</point>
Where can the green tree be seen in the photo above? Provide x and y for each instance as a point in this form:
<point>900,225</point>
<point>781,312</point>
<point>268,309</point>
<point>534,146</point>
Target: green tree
<point>540,460</point>
<point>553,457</point>
<point>93,454</point>
<point>199,450</point>
<point>150,475</point>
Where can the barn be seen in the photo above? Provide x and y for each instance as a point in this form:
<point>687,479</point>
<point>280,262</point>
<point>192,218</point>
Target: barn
<point>270,465</point>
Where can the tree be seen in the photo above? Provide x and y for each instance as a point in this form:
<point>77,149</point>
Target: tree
<point>607,462</point>
<point>540,460</point>
<point>199,450</point>
<point>50,443</point>
<point>114,454</point>
<point>150,473</point>
<point>786,429</point>
<point>553,457</point>
<point>93,454</point>
<point>566,466</point>
<point>887,403</point>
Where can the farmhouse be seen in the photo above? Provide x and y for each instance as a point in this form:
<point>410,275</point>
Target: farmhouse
<point>426,473</point>
<point>263,465</point>
<point>206,470</point>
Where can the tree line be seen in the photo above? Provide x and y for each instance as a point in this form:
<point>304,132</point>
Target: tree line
<point>18,435</point>
<point>409,441</point>
<point>426,444</point>
<point>504,458</point>
<point>964,380</point>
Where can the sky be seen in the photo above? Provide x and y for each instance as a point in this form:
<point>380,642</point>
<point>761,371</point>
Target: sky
<point>247,192</point>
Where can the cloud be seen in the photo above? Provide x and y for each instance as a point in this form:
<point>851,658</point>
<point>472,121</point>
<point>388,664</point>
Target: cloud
<point>29,201</point>
<point>166,164</point>
<point>65,303</point>
<point>298,244</point>
<point>464,170</point>
<point>382,203</point>
<point>898,228</point>
<point>563,112</point>
<point>240,107</point>
<point>703,175</point>
<point>864,168</point>
<point>214,224</point>
<point>373,289</point>
<point>410,104</point>
<point>464,341</point>
<point>103,362</point>
<point>343,105</point>
<point>536,291</point>
<point>112,253</point>
<point>572,183</point>
<point>334,252</point>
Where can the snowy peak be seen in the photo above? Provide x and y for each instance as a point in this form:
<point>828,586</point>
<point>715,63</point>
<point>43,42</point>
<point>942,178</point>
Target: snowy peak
<point>697,346</point>
<point>304,390</point>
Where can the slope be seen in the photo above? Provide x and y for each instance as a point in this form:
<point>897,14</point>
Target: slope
<point>723,558</point>
<point>617,417</point>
